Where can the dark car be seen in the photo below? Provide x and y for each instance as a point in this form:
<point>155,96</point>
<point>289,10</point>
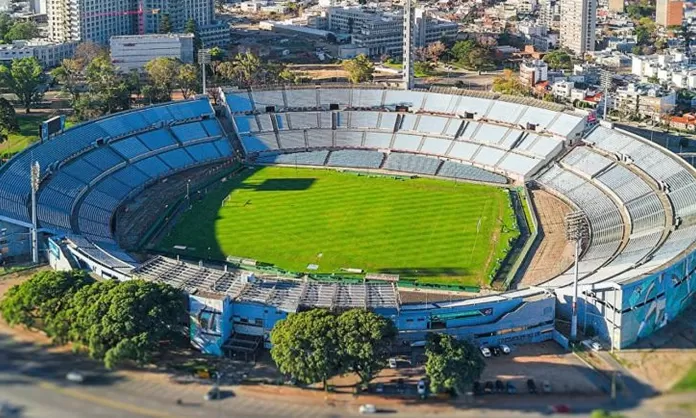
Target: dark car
<point>495,351</point>
<point>488,388</point>
<point>478,388</point>
<point>499,386</point>
<point>510,387</point>
<point>531,386</point>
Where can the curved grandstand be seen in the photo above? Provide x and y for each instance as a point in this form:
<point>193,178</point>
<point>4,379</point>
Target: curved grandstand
<point>636,269</point>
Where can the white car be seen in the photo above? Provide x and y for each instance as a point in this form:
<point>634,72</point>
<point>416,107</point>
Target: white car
<point>596,346</point>
<point>368,408</point>
<point>505,349</point>
<point>392,363</point>
<point>486,352</point>
<point>421,387</point>
<point>75,377</point>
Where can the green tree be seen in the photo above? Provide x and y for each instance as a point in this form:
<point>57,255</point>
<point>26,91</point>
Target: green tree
<point>509,83</point>
<point>69,75</point>
<point>217,53</point>
<point>6,23</point>
<point>360,69</point>
<point>125,321</point>
<point>246,69</point>
<point>37,301</point>
<point>460,51</point>
<point>480,59</point>
<point>165,25</point>
<point>22,30</point>
<point>108,89</point>
<point>225,72</point>
<point>163,73</point>
<point>365,340</point>
<point>452,365</point>
<point>558,60</point>
<point>24,78</point>
<point>306,346</point>
<point>189,80</point>
<point>423,68</point>
<point>8,119</point>
<point>192,27</point>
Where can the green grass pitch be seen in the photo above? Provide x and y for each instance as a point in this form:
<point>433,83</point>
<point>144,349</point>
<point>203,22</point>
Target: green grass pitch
<point>419,228</point>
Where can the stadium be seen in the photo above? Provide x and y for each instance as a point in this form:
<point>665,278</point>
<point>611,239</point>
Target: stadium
<point>302,169</point>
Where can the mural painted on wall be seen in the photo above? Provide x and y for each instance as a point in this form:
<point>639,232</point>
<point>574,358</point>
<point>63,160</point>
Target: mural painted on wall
<point>208,323</point>
<point>651,303</point>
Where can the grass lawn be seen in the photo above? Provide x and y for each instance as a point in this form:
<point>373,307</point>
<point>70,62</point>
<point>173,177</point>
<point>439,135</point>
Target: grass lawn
<point>290,217</point>
<point>28,132</point>
<point>688,383</point>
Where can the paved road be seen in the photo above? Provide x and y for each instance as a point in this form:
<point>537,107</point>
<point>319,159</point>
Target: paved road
<point>32,380</point>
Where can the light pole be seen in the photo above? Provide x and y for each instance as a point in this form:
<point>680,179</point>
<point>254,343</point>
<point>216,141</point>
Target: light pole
<point>35,181</point>
<point>576,230</point>
<point>203,59</point>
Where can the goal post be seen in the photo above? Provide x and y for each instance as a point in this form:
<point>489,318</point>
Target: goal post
<point>225,200</point>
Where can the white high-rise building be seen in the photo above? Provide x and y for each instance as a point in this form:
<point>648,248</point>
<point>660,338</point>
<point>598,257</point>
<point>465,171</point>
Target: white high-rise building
<point>578,24</point>
<point>99,20</point>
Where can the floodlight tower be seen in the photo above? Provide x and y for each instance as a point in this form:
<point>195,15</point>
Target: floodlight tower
<point>409,44</point>
<point>576,230</point>
<point>35,179</point>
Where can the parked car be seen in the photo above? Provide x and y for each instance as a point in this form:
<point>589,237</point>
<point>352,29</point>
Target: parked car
<point>212,394</point>
<point>559,409</point>
<point>505,348</point>
<point>596,346</point>
<point>392,363</point>
<point>499,386</point>
<point>75,377</point>
<point>478,388</point>
<point>368,408</point>
<point>422,387</point>
<point>488,388</point>
<point>486,352</point>
<point>496,351</point>
<point>531,386</point>
<point>546,386</point>
<point>510,387</point>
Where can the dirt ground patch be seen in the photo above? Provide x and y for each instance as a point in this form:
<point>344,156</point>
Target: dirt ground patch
<point>664,359</point>
<point>554,254</point>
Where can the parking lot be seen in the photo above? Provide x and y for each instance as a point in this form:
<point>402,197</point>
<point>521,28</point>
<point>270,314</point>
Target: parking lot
<point>545,362</point>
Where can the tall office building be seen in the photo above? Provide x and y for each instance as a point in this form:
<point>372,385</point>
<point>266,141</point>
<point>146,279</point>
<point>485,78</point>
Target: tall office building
<point>99,20</point>
<point>578,24</point>
<point>669,12</point>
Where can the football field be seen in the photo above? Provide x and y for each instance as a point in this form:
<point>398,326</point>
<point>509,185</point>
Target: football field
<point>434,230</point>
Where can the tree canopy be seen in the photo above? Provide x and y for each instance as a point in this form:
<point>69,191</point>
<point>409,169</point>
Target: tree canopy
<point>306,346</point>
<point>165,24</point>
<point>37,302</point>
<point>8,119</point>
<point>452,365</point>
<point>24,78</point>
<point>21,30</point>
<point>473,55</point>
<point>315,345</point>
<point>509,83</point>
<point>558,60</point>
<point>188,80</point>
<point>360,69</point>
<point>114,321</point>
<point>365,339</point>
<point>163,73</point>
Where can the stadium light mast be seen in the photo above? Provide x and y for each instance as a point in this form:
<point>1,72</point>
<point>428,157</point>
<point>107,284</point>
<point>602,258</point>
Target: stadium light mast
<point>35,179</point>
<point>408,45</point>
<point>203,59</point>
<point>576,228</point>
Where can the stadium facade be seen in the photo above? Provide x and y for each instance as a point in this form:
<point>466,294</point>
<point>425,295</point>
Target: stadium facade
<point>636,269</point>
